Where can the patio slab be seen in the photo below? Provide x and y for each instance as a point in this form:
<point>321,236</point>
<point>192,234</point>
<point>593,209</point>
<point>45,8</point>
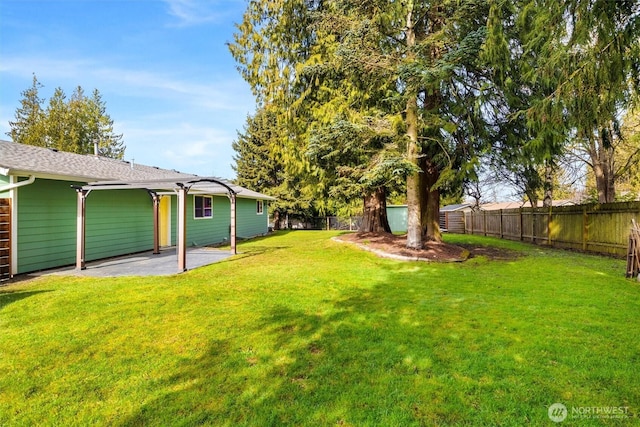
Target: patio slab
<point>145,264</point>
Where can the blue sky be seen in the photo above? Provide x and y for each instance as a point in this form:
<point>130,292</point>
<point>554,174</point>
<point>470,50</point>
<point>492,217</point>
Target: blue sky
<point>162,67</point>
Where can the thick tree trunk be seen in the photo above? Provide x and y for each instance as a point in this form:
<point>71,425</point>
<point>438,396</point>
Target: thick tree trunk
<point>430,206</point>
<point>374,218</point>
<point>601,186</point>
<point>414,217</point>
<point>601,160</point>
<point>276,220</point>
<point>611,186</point>
<point>414,196</point>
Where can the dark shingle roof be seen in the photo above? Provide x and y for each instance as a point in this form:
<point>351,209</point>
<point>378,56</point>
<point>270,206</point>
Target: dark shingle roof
<point>20,159</point>
<point>453,208</point>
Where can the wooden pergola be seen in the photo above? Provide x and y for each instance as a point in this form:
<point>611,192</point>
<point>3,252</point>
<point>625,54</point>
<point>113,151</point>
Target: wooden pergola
<point>156,188</point>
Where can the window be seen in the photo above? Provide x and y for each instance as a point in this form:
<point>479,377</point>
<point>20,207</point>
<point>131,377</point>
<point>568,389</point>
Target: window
<point>259,207</point>
<point>202,206</point>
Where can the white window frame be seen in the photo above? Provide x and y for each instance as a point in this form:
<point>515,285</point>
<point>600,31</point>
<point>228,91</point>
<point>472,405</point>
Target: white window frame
<point>195,216</point>
<point>259,207</point>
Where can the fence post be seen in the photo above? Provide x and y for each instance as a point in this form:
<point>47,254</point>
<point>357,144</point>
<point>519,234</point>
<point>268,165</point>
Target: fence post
<point>533,225</point>
<point>484,222</point>
<point>472,222</point>
<point>549,226</point>
<point>585,228</point>
<point>521,224</point>
<point>501,231</point>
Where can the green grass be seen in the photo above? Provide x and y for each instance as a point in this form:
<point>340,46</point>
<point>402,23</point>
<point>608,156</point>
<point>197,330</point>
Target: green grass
<point>301,330</point>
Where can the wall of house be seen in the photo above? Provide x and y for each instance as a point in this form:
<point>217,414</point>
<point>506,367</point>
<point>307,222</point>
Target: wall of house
<point>248,222</point>
<point>118,222</point>
<point>208,231</point>
<point>46,225</point>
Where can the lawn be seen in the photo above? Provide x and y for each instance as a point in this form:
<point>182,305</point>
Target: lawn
<point>301,330</point>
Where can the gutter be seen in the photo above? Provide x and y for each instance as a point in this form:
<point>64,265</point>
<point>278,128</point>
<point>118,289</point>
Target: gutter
<point>8,187</point>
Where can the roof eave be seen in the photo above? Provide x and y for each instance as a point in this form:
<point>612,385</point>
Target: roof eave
<point>58,177</point>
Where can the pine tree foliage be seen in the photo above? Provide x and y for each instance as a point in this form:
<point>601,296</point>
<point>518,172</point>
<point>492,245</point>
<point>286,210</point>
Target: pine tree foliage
<point>413,64</point>
<point>259,166</point>
<point>568,70</point>
<point>453,82</point>
<point>72,125</point>
<point>29,125</point>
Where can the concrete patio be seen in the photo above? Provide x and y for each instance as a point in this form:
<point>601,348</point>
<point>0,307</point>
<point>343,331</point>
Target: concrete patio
<point>145,264</point>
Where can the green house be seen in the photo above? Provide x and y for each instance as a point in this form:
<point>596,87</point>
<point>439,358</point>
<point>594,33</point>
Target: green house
<point>41,215</point>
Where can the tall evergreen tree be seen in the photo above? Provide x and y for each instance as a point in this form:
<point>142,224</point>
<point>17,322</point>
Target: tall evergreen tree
<point>29,125</point>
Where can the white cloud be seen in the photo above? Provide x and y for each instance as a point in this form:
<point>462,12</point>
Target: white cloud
<point>220,94</point>
<point>199,149</point>
<point>196,12</point>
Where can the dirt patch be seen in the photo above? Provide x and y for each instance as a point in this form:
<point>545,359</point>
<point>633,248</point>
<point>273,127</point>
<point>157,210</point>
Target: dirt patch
<point>394,246</point>
<point>491,252</point>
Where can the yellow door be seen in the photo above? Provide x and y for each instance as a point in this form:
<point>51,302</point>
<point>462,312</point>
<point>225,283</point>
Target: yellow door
<point>165,221</point>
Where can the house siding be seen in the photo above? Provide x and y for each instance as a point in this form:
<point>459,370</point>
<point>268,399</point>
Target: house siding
<point>46,226</point>
<point>118,222</point>
<point>249,222</point>
<point>208,231</point>
<point>4,180</point>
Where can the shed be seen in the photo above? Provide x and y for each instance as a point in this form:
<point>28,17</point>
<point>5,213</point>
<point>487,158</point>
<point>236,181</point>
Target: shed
<point>452,217</point>
<point>397,217</point>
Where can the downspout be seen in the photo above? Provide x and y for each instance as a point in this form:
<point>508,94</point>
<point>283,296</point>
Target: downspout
<point>9,187</point>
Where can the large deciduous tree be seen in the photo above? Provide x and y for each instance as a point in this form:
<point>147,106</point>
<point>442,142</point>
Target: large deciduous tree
<point>73,125</point>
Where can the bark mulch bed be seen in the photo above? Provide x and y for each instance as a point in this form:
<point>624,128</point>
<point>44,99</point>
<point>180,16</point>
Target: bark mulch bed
<point>393,246</point>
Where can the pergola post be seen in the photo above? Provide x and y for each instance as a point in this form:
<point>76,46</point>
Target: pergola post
<point>81,225</point>
<point>155,199</point>
<point>232,237</point>
<point>182,228</point>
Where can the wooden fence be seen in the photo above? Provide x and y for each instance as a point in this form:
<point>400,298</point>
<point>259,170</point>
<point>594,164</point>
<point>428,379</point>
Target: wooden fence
<point>600,228</point>
<point>5,239</point>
